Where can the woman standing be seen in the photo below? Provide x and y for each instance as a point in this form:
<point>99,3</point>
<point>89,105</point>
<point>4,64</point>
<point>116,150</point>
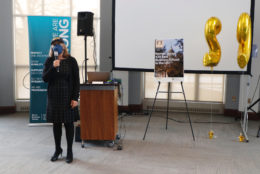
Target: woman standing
<point>61,72</point>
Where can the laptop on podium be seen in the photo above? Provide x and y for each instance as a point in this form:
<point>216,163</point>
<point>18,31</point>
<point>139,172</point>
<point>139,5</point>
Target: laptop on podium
<point>98,77</point>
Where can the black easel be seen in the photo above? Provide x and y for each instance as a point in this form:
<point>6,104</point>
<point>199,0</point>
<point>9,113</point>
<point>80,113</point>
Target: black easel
<point>250,108</point>
<point>253,104</point>
<point>169,92</point>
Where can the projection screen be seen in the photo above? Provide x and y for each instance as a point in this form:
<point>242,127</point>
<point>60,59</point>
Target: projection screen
<point>138,23</point>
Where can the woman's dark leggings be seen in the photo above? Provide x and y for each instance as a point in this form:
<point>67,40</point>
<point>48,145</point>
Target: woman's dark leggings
<point>57,132</point>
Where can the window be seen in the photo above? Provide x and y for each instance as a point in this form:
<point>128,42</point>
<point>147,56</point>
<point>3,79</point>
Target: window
<point>23,8</point>
<point>197,87</point>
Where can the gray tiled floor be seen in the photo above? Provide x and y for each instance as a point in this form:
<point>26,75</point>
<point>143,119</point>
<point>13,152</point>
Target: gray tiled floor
<point>27,150</point>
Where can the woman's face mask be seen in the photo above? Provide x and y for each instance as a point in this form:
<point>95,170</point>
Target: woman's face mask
<point>58,48</point>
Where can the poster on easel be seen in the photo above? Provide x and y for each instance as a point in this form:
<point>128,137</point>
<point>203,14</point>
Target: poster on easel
<point>169,60</point>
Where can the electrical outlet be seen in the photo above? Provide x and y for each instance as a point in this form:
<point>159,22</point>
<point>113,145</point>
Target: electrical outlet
<point>249,100</point>
<point>234,98</point>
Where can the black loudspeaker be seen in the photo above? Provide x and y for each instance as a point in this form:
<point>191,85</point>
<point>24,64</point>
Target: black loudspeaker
<point>85,23</point>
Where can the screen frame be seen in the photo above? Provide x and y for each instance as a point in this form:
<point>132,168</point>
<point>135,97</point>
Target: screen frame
<point>248,71</point>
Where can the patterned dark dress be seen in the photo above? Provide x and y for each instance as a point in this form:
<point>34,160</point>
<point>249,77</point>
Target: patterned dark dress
<point>63,86</point>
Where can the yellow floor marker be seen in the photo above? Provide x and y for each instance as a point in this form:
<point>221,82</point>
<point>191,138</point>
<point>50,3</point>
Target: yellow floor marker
<point>241,138</point>
<point>211,134</point>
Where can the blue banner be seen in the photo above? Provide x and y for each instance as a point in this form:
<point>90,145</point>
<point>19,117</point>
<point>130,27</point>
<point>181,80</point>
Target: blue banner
<point>42,29</point>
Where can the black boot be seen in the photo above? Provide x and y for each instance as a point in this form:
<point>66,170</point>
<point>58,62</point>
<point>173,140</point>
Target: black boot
<point>69,136</point>
<point>57,132</point>
<point>69,157</point>
<point>56,155</point>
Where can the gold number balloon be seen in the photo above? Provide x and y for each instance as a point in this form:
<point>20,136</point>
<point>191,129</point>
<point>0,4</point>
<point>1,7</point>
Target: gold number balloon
<point>212,28</point>
<point>244,37</point>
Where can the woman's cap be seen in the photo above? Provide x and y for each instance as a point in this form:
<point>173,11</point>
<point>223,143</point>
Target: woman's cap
<point>57,39</point>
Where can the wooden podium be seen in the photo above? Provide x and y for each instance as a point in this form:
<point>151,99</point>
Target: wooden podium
<point>98,111</point>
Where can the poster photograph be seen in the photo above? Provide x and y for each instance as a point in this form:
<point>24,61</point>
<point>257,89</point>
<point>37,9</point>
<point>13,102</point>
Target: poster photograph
<point>169,60</point>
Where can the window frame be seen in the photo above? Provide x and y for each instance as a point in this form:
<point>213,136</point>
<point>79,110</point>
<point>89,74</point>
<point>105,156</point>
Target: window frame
<point>26,66</point>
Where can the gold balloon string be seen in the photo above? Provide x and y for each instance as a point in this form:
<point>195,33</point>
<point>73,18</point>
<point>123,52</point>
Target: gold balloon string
<point>244,38</point>
<point>211,98</point>
<point>212,29</point>
<point>241,114</point>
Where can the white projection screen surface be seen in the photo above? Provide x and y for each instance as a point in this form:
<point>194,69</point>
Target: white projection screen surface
<point>138,23</point>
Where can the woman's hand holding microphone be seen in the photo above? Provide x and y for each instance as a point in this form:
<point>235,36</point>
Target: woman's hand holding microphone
<point>56,63</point>
<point>73,104</point>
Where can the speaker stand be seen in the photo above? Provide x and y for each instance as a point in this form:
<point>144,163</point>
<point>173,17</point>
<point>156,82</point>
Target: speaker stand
<point>86,59</point>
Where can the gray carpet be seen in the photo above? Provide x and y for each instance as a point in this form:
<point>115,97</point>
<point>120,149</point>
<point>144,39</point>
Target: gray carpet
<point>27,150</point>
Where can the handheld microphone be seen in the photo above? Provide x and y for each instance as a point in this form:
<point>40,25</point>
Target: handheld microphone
<point>56,58</point>
<point>57,49</point>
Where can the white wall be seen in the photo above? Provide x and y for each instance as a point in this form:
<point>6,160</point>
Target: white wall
<point>6,54</point>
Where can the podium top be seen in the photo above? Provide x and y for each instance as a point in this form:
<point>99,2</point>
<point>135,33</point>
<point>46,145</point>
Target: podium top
<point>89,86</point>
